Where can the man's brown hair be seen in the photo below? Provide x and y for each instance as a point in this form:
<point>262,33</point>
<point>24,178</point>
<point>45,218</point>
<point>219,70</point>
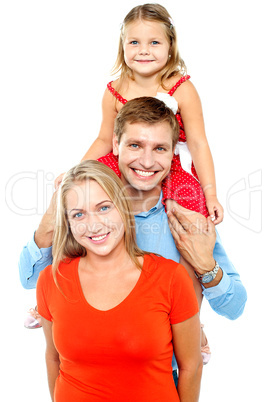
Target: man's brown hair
<point>147,110</point>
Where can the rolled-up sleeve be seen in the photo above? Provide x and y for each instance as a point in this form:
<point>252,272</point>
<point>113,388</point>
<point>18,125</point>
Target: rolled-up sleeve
<point>229,297</point>
<point>32,261</point>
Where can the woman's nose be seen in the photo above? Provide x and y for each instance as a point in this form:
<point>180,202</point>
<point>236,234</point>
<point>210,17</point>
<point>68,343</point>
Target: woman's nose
<point>94,223</point>
<point>91,225</point>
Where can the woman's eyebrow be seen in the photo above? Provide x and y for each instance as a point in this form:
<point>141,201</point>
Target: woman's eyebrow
<point>102,202</point>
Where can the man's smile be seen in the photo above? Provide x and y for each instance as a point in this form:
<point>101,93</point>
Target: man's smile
<point>144,173</point>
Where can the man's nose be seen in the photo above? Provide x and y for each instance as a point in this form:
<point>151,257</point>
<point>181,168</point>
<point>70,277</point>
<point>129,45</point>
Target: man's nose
<point>147,158</point>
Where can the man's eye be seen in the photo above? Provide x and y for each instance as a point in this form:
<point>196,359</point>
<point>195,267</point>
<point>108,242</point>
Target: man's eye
<point>134,146</point>
<point>161,149</point>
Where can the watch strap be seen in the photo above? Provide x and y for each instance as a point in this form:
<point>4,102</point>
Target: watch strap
<point>209,275</point>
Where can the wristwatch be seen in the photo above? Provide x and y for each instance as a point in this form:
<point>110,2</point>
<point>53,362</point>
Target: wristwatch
<point>208,276</point>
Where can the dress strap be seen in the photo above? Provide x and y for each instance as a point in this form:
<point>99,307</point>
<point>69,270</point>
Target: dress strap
<point>181,81</point>
<point>116,94</point>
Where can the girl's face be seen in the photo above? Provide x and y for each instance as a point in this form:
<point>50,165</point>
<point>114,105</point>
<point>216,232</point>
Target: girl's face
<point>94,221</point>
<point>146,48</point>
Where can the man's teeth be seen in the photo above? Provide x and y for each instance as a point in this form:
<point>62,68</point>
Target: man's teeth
<point>99,237</point>
<point>144,173</point>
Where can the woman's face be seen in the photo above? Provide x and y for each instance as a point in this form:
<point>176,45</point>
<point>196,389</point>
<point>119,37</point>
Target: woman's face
<point>94,220</point>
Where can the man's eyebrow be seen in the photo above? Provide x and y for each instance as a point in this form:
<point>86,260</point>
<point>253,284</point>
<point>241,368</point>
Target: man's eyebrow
<point>134,140</point>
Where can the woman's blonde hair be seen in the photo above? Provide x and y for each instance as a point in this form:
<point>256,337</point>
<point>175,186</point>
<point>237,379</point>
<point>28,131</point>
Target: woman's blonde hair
<point>154,13</point>
<point>64,244</point>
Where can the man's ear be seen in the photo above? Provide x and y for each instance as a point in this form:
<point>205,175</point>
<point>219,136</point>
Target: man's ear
<point>115,145</point>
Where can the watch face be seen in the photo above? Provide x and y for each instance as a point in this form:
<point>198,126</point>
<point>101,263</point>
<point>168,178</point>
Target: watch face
<point>207,278</point>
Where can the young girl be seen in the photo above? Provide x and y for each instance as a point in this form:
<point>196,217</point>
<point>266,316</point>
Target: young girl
<point>150,65</point>
<point>113,314</point>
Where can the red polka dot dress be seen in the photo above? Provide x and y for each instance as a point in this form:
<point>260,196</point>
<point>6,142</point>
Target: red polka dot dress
<point>182,183</point>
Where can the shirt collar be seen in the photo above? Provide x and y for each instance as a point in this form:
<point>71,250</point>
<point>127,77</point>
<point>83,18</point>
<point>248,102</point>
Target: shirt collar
<point>157,207</point>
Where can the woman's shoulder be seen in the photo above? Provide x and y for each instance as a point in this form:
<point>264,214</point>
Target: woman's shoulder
<point>46,273</point>
<point>65,268</point>
<point>163,264</point>
<point>169,273</point>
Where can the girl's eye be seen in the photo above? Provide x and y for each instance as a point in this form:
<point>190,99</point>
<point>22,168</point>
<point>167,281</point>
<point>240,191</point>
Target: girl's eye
<point>133,42</point>
<point>155,42</point>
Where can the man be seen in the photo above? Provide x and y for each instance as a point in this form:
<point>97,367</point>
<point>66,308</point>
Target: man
<point>144,140</point>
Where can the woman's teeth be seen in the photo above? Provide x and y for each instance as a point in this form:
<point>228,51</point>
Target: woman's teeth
<point>99,237</point>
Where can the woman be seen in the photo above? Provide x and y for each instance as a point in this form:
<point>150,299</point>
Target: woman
<point>113,314</point>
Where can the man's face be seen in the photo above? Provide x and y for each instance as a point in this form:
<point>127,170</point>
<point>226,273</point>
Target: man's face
<point>145,154</point>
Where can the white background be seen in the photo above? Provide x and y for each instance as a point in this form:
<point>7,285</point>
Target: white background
<point>56,58</point>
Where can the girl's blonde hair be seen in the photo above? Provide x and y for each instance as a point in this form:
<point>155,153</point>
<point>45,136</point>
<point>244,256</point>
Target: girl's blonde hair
<point>154,13</point>
<point>64,244</point>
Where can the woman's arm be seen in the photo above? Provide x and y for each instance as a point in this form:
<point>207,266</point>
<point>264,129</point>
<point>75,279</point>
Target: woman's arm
<point>191,113</point>
<point>51,357</point>
<point>186,344</point>
<point>103,143</point>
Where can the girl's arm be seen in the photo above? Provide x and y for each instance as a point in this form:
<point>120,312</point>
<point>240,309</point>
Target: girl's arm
<point>103,143</point>
<point>191,113</point>
<point>51,357</point>
<point>186,344</point>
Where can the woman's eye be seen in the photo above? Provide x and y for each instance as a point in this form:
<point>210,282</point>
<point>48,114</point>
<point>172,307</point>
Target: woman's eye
<point>78,215</point>
<point>105,208</point>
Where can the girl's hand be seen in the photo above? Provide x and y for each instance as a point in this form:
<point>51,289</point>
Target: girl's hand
<point>58,180</point>
<point>215,209</point>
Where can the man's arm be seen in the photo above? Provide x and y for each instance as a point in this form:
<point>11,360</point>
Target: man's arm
<point>37,254</point>
<point>195,238</point>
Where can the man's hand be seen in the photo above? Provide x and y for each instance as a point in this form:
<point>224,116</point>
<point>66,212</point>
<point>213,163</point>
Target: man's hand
<point>195,237</point>
<point>44,234</point>
<point>58,181</point>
